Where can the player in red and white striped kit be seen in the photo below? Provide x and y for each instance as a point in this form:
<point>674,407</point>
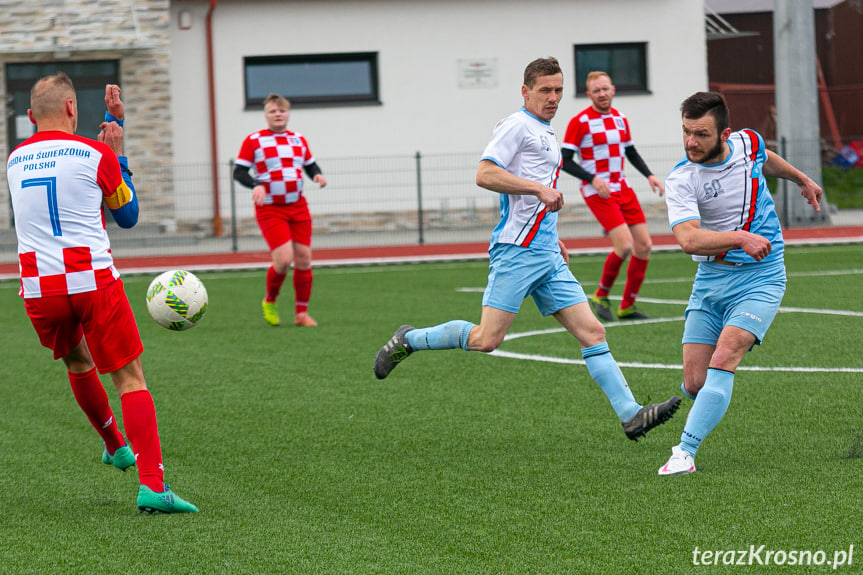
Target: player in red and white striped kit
<point>72,292</point>
<point>600,134</point>
<point>278,158</point>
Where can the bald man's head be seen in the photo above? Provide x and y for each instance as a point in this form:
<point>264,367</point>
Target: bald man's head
<point>49,98</point>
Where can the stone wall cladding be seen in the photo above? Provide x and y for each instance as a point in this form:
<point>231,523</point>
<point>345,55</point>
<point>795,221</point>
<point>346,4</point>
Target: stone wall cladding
<point>134,32</point>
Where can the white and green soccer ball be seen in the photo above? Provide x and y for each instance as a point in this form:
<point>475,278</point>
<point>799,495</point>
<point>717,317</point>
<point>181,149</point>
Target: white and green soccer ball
<point>177,300</point>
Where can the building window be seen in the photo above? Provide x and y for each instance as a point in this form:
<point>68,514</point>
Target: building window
<point>89,78</point>
<point>313,79</point>
<point>625,63</point>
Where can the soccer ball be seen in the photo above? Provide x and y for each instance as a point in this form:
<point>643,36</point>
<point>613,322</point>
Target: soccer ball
<point>177,300</point>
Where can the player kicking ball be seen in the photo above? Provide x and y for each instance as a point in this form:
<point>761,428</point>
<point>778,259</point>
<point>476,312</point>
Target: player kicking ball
<point>734,233</point>
<point>526,257</point>
<point>72,292</point>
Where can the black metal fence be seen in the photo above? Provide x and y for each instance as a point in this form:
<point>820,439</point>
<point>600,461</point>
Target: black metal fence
<point>368,202</point>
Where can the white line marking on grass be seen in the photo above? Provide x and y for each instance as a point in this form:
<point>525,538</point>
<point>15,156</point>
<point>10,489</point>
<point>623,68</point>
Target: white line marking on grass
<point>821,311</point>
<point>789,369</point>
<point>512,336</point>
<point>826,273</point>
<point>665,301</point>
<point>790,274</point>
<point>783,309</point>
<point>637,364</point>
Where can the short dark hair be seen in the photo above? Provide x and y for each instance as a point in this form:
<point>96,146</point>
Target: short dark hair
<point>701,104</point>
<point>540,67</point>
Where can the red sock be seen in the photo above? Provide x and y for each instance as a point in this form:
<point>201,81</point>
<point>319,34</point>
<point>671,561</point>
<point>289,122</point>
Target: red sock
<point>91,397</point>
<point>139,418</point>
<point>635,273</point>
<point>302,289</point>
<point>610,271</point>
<point>274,283</point>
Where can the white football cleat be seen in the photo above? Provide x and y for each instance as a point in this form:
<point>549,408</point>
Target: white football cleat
<point>680,463</point>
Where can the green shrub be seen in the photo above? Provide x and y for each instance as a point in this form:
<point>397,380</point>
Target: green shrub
<point>843,187</point>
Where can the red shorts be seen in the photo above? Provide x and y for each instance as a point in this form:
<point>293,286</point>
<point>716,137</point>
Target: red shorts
<point>621,208</point>
<point>103,316</point>
<point>281,224</point>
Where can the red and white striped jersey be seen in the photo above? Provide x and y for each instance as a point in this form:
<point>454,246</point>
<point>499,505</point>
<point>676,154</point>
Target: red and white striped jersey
<point>600,141</point>
<point>278,160</point>
<point>58,182</point>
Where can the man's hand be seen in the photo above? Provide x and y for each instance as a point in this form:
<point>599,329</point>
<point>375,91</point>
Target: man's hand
<point>563,251</point>
<point>259,193</point>
<point>113,103</point>
<point>601,186</point>
<point>656,185</point>
<point>112,134</point>
<point>812,192</point>
<point>756,246</point>
<point>777,167</point>
<point>552,198</point>
<point>320,180</point>
<point>492,177</point>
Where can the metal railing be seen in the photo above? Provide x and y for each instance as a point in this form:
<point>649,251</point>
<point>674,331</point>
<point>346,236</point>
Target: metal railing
<point>368,202</point>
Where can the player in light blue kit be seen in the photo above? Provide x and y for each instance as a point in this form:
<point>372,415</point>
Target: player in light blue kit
<point>722,213</point>
<point>522,162</point>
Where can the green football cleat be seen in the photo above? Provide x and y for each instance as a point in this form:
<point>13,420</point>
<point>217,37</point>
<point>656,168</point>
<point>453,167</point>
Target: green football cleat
<point>122,459</point>
<point>271,312</point>
<point>602,308</point>
<point>165,502</point>
<point>631,312</point>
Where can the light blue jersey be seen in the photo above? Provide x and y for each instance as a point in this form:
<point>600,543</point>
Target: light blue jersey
<point>724,197</point>
<point>728,196</point>
<point>527,147</point>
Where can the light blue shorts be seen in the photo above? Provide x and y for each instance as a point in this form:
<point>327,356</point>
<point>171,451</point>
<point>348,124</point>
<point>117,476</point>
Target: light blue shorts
<point>745,296</point>
<point>516,272</point>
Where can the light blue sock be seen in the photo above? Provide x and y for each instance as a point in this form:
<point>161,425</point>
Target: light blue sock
<point>710,405</point>
<point>686,393</point>
<point>604,371</point>
<point>449,335</point>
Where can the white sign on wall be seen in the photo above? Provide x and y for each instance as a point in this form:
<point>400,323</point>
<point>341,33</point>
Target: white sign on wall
<point>477,73</point>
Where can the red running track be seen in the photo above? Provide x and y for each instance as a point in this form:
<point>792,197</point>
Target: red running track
<point>414,253</point>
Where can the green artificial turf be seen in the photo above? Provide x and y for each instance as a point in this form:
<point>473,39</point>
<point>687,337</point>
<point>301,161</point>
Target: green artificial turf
<point>458,463</point>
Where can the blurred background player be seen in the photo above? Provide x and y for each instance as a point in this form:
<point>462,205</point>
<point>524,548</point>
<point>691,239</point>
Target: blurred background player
<point>278,158</point>
<point>526,257</point>
<point>600,134</point>
<point>721,212</point>
<point>72,293</point>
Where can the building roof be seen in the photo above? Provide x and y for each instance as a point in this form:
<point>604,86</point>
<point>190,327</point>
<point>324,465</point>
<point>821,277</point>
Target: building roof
<point>741,6</point>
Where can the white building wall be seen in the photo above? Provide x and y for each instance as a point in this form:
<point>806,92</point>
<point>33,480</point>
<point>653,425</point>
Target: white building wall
<point>423,109</point>
<point>419,45</point>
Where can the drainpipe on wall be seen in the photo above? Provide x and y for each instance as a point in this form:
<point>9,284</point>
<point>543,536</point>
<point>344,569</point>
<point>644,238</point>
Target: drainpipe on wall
<point>214,155</point>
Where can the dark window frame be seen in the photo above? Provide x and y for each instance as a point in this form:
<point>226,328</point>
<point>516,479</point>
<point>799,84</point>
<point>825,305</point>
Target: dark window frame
<point>18,93</point>
<point>621,87</point>
<point>370,98</point>
<point>91,81</point>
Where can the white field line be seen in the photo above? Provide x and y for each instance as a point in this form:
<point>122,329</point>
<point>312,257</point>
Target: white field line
<point>641,365</point>
<point>547,359</point>
<point>512,336</point>
<point>783,309</point>
<point>690,278</point>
